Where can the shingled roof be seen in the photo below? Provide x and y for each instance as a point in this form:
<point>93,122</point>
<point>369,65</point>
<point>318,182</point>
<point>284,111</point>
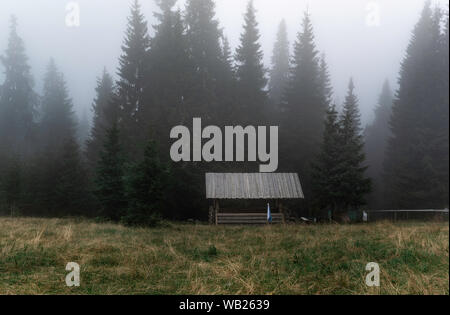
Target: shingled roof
<point>253,186</point>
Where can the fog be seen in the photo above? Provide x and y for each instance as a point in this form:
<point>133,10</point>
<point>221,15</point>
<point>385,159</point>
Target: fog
<point>369,52</point>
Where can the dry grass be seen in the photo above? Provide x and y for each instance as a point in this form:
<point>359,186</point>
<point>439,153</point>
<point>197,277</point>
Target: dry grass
<point>200,259</point>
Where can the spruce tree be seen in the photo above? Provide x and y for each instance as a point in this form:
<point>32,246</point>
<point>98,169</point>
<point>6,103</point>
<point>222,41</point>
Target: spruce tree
<point>250,73</point>
<point>17,98</point>
<point>304,108</point>
<point>204,38</point>
<point>132,79</point>
<point>442,143</point>
<point>354,184</point>
<point>279,74</point>
<point>58,123</point>
<point>326,91</point>
<point>105,115</point>
<point>327,167</point>
<point>416,166</point>
<point>227,88</point>
<point>70,188</point>
<point>376,137</point>
<point>147,185</point>
<point>61,180</point>
<point>169,75</point>
<point>109,181</point>
<point>227,57</point>
<point>84,127</point>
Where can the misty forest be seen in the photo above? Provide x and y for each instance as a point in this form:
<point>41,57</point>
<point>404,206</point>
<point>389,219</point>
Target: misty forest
<point>117,166</point>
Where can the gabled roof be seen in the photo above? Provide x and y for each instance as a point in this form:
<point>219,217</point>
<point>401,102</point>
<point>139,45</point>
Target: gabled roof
<point>253,186</point>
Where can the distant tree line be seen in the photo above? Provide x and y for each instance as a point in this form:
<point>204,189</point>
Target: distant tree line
<point>123,171</point>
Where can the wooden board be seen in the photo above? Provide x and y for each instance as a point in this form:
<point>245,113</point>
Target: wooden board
<point>248,218</point>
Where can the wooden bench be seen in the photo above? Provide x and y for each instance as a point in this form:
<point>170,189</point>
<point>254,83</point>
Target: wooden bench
<point>248,218</point>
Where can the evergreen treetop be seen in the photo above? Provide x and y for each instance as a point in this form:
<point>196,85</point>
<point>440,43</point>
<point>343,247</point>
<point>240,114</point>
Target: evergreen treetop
<point>18,101</point>
<point>58,123</point>
<point>354,183</point>
<point>250,71</point>
<point>105,114</point>
<point>132,72</point>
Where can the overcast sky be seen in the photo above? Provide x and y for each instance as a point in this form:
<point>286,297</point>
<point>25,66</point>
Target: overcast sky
<point>355,41</point>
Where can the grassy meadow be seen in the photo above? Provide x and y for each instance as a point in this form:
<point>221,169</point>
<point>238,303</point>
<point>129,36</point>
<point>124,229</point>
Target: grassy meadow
<point>202,259</point>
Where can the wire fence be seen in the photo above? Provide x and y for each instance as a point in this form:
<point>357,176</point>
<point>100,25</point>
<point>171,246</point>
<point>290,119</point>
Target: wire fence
<point>406,215</point>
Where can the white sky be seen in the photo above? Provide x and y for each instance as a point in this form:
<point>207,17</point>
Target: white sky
<point>353,48</point>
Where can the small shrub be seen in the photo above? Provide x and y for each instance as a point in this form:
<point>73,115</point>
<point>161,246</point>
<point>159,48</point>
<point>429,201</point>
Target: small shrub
<point>212,251</point>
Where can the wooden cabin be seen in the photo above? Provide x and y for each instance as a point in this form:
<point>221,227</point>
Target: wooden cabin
<point>271,188</point>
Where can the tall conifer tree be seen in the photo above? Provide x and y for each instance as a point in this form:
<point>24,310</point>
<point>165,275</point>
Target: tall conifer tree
<point>279,74</point>
<point>58,124</point>
<point>110,186</point>
<point>354,184</point>
<point>304,108</point>
<point>203,37</point>
<point>61,184</point>
<point>147,186</point>
<point>250,72</point>
<point>105,115</point>
<point>376,138</point>
<point>325,82</point>
<point>17,98</point>
<point>327,169</point>
<point>417,161</point>
<point>227,88</point>
<point>132,80</point>
<point>71,195</point>
<point>169,74</point>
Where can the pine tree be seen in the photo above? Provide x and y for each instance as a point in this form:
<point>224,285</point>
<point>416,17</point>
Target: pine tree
<point>227,88</point>
<point>147,185</point>
<point>339,182</point>
<point>279,74</point>
<point>250,72</point>
<point>376,138</point>
<point>70,188</point>
<point>61,179</point>
<point>327,168</point>
<point>132,79</point>
<point>304,108</point>
<point>17,98</point>
<point>83,129</point>
<point>169,75</point>
<point>203,37</point>
<point>354,184</point>
<point>58,122</point>
<point>442,144</point>
<point>227,58</point>
<point>110,188</point>
<point>416,166</point>
<point>326,91</point>
<point>105,115</point>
